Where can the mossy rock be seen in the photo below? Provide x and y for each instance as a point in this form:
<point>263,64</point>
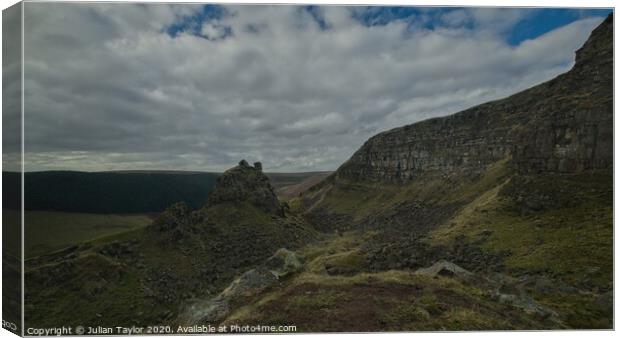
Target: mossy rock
<point>284,263</point>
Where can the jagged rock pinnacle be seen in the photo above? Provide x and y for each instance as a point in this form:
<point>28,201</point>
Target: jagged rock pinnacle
<point>245,183</point>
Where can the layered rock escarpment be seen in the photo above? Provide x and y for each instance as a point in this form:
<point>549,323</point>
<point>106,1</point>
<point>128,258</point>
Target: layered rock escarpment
<point>245,183</point>
<point>573,128</point>
<point>564,125</point>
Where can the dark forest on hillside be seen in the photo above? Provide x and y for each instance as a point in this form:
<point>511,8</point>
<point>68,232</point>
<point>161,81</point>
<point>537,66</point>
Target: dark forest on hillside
<point>109,192</point>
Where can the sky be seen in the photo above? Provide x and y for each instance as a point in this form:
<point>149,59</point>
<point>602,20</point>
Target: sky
<point>119,86</point>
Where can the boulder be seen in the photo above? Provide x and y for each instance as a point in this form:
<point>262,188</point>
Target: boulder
<point>284,263</point>
<point>528,305</point>
<point>211,311</point>
<point>605,302</point>
<point>445,268</point>
<point>249,284</point>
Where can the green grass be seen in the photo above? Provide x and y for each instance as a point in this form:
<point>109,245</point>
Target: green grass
<point>573,242</point>
<point>580,310</point>
<point>92,296</point>
<point>334,246</point>
<point>569,239</point>
<point>363,198</point>
<point>47,231</point>
<point>162,270</point>
<point>385,301</point>
<point>317,301</point>
<point>239,214</point>
<point>393,300</point>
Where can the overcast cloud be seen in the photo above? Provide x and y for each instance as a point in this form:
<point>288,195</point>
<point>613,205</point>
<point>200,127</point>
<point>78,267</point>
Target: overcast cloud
<point>135,86</point>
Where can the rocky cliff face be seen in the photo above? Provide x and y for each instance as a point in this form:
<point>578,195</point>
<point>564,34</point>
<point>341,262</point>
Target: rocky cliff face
<point>245,183</point>
<point>563,125</point>
<point>572,129</point>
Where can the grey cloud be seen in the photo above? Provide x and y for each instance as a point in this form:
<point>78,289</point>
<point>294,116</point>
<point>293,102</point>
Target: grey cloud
<point>11,88</point>
<point>107,88</point>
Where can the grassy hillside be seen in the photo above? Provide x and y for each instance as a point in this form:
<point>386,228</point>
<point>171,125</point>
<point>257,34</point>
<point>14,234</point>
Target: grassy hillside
<point>47,231</point>
<point>564,225</point>
<point>290,185</point>
<point>553,232</point>
<point>145,275</point>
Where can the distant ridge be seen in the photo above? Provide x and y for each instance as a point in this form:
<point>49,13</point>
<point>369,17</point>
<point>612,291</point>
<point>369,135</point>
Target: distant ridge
<point>142,171</point>
<point>110,192</point>
<point>123,191</point>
